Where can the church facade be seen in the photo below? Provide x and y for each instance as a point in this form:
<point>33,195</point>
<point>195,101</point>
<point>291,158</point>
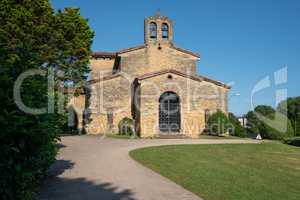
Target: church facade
<point>155,84</point>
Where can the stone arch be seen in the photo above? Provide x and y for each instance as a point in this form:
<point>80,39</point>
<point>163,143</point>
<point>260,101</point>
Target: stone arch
<point>152,30</point>
<point>165,31</point>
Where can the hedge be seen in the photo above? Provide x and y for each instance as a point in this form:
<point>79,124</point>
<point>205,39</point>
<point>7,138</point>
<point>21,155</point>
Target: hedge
<point>295,141</point>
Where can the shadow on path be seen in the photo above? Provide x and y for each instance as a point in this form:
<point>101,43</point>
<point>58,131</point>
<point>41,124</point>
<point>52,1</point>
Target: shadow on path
<point>60,146</point>
<point>82,189</point>
<point>59,166</point>
<point>60,188</point>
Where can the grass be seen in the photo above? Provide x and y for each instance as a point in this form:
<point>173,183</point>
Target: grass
<point>229,171</point>
<point>218,137</point>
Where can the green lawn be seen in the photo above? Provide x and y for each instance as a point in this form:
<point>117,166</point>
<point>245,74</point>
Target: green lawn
<point>267,171</point>
<point>217,137</point>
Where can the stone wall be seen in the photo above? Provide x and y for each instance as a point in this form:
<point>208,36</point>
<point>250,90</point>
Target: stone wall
<point>152,59</point>
<point>114,96</point>
<point>109,97</point>
<point>195,98</point>
<point>101,67</point>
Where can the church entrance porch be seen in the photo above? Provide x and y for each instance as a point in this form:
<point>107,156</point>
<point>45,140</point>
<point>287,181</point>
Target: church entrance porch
<point>169,113</point>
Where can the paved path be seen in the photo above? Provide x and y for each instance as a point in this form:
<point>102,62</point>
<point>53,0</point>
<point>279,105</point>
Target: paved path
<point>92,168</point>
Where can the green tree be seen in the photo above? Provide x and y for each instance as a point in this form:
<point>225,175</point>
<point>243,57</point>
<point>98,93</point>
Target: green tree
<point>291,108</point>
<point>256,124</point>
<point>252,123</point>
<point>33,36</point>
<point>218,123</point>
<point>237,128</point>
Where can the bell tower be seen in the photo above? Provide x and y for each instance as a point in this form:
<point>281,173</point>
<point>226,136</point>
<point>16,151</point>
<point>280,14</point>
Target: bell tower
<point>158,30</point>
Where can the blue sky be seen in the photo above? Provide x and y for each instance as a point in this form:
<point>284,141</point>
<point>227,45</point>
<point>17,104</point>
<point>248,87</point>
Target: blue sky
<point>240,42</point>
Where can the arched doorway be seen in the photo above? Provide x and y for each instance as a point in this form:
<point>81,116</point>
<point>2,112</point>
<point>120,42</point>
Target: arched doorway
<point>72,121</point>
<point>169,112</point>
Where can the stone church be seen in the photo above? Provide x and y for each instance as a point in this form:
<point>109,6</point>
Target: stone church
<point>155,84</point>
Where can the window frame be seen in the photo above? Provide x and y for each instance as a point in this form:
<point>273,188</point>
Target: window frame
<point>165,31</point>
<point>152,28</point>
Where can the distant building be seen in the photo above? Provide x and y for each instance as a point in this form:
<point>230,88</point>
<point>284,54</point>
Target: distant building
<point>243,121</point>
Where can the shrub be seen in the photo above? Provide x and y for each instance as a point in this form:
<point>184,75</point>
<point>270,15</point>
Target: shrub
<point>291,108</point>
<point>274,134</point>
<point>295,141</point>
<point>237,129</point>
<point>218,123</point>
<point>126,126</point>
<point>25,159</point>
<point>252,123</point>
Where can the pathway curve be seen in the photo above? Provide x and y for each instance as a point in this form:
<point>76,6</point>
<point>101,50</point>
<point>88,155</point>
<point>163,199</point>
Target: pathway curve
<point>92,168</point>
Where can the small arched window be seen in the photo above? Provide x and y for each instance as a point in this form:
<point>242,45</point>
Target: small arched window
<point>206,115</point>
<point>153,30</point>
<point>165,31</point>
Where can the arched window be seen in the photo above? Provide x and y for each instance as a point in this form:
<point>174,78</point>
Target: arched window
<point>165,31</point>
<point>153,30</point>
<point>206,115</point>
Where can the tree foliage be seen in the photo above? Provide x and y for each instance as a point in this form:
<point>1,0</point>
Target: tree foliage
<point>218,123</point>
<point>257,124</point>
<point>126,126</point>
<point>252,123</point>
<point>237,129</point>
<point>33,36</point>
<point>291,108</point>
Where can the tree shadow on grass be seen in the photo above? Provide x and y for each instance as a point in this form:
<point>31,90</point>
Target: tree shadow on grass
<point>61,188</point>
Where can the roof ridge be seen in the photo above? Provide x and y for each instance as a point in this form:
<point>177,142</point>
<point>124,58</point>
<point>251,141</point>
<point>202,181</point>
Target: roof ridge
<point>185,51</point>
<point>109,77</point>
<point>196,77</point>
<point>108,54</point>
<point>103,54</point>
<point>131,48</point>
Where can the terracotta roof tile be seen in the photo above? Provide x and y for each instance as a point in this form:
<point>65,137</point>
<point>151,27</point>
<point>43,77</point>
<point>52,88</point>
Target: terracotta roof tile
<point>103,54</point>
<point>109,77</point>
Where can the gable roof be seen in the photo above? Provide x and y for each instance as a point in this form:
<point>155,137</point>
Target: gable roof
<point>131,49</point>
<point>157,73</point>
<point>105,54</point>
<point>193,77</point>
<point>186,51</point>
